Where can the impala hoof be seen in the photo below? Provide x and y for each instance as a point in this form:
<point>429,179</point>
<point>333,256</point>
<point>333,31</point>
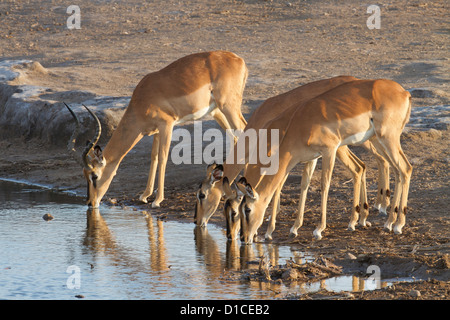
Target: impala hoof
<point>292,236</point>
<point>155,204</point>
<point>387,227</point>
<point>143,199</point>
<point>383,212</point>
<point>317,234</point>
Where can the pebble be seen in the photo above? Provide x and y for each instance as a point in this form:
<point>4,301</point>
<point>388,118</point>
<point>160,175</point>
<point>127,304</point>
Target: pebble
<point>414,293</point>
<point>350,256</point>
<point>348,295</point>
<point>290,274</point>
<point>47,217</point>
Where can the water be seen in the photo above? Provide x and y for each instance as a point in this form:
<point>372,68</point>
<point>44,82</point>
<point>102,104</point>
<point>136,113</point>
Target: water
<point>124,254</point>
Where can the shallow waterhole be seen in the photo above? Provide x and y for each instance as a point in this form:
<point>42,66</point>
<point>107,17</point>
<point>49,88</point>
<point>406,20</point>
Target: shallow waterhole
<point>114,253</point>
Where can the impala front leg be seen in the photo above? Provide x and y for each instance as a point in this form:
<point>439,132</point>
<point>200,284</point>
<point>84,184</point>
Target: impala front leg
<point>328,160</point>
<point>152,173</point>
<point>275,209</point>
<point>308,171</point>
<point>165,136</point>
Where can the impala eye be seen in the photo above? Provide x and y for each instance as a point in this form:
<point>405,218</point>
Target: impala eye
<point>201,195</point>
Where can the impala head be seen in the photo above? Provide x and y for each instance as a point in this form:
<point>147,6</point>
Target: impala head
<point>92,160</point>
<point>233,198</point>
<point>248,209</point>
<point>209,194</point>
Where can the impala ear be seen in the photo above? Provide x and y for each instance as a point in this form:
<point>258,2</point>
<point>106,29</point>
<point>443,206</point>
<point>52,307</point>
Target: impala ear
<point>98,155</point>
<point>216,173</point>
<point>210,168</point>
<point>242,182</point>
<point>229,193</point>
<point>246,188</point>
<point>98,151</point>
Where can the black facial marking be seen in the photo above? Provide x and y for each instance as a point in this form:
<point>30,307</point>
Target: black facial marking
<point>94,180</point>
<point>226,205</point>
<point>195,212</point>
<point>247,213</point>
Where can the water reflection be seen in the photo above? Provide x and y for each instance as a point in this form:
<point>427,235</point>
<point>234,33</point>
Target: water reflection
<point>211,259</point>
<point>237,256</point>
<point>158,260</point>
<point>98,237</point>
<point>124,254</point>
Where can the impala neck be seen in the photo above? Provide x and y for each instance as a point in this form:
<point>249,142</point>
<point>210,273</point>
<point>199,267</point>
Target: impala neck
<point>231,171</point>
<point>266,185</point>
<point>124,138</point>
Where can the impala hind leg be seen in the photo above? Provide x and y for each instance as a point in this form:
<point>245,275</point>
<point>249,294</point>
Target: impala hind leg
<point>165,136</point>
<point>392,150</point>
<point>364,205</point>
<point>229,108</point>
<point>383,194</point>
<point>406,173</point>
<point>152,173</point>
<point>308,171</point>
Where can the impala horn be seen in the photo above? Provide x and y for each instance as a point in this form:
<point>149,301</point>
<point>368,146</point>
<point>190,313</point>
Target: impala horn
<point>71,145</point>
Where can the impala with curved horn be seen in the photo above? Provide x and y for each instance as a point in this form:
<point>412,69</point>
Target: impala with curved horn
<point>92,159</point>
<point>187,89</point>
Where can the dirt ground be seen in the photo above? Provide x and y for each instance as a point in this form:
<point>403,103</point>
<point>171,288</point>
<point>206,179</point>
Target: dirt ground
<point>285,44</point>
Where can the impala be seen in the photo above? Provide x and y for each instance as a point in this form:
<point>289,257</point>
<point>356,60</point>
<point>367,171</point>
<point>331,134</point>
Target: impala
<point>187,89</point>
<point>349,114</point>
<point>212,189</point>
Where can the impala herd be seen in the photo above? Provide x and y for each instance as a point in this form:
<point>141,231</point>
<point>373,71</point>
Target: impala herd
<point>317,120</point>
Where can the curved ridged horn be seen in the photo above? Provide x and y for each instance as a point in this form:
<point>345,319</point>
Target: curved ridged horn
<point>73,138</point>
<point>71,145</point>
<point>93,142</point>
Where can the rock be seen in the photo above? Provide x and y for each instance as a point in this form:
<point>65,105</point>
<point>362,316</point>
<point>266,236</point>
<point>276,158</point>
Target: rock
<point>290,274</point>
<point>47,217</point>
<point>414,293</point>
<point>350,256</point>
<point>348,295</point>
<point>112,201</point>
<point>31,111</point>
<point>443,262</point>
<point>421,93</point>
<point>434,134</point>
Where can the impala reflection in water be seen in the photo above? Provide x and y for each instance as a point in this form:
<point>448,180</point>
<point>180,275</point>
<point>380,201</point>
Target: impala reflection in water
<point>124,254</point>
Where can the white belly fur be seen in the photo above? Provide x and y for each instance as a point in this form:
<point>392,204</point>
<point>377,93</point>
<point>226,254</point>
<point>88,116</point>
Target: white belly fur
<point>198,114</point>
<point>359,137</point>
